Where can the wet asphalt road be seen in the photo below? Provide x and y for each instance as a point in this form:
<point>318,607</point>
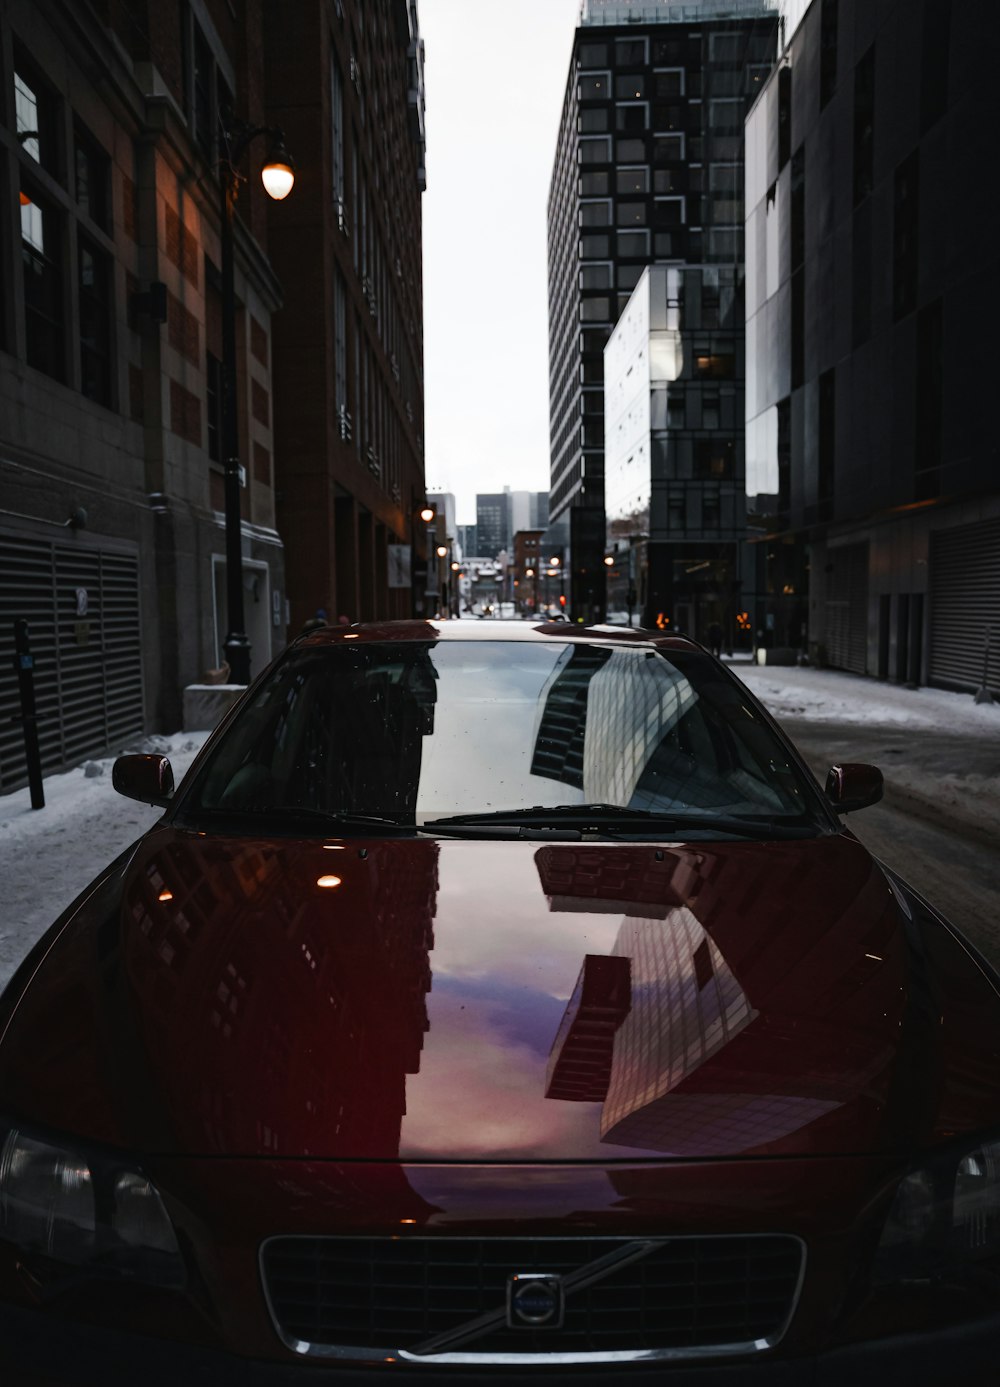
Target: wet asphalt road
<point>946,858</point>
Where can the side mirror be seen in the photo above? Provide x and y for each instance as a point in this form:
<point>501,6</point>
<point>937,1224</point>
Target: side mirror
<point>853,785</point>
<point>149,779</point>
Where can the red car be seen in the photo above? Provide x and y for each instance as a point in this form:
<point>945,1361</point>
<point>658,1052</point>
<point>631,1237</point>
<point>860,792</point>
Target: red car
<point>493,1000</point>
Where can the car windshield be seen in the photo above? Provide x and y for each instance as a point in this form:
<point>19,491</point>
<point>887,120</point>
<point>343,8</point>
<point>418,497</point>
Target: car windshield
<point>417,733</point>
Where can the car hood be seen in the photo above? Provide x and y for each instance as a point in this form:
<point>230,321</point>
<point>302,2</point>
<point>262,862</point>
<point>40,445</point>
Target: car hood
<point>423,1000</point>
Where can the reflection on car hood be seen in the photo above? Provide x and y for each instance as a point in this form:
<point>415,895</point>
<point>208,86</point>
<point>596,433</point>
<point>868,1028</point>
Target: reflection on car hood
<point>482,1001</point>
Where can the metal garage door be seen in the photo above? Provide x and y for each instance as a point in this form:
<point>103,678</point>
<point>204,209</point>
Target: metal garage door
<point>847,607</point>
<point>82,609</point>
<point>965,602</point>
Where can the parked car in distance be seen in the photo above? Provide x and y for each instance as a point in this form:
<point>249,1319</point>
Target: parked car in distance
<point>495,999</point>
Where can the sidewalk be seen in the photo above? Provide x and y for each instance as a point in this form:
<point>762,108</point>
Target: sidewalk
<point>939,751</point>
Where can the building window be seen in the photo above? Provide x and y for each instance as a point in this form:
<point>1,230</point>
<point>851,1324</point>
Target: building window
<point>594,310</point>
<point>670,50</point>
<point>628,182</point>
<point>667,180</point>
<point>709,407</point>
<point>669,117</point>
<point>594,247</point>
<point>593,120</point>
<point>784,452</point>
<point>595,213</point>
<point>827,52</point>
<point>632,120</point>
<point>630,151</point>
<point>595,150</point>
<point>36,115</point>
<point>668,82</point>
<point>213,405</point>
<point>595,86</point>
<point>595,184</point>
<point>631,52</point>
<point>41,232</point>
<point>593,54</point>
<point>629,275</point>
<point>726,48</point>
<point>595,277</point>
<point>630,88</point>
<point>668,149</point>
<point>668,211</point>
<point>631,214</point>
<point>93,285</point>
<point>632,244</point>
<point>864,126</point>
<point>725,243</point>
<point>715,365</point>
<point>905,223</point>
<point>91,179</point>
<point>337,138</point>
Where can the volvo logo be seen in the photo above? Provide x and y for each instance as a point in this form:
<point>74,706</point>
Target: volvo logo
<point>534,1300</point>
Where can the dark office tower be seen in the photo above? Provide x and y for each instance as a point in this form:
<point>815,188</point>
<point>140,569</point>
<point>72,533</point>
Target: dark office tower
<point>345,82</point>
<point>493,531</point>
<point>648,168</point>
<point>871,292</point>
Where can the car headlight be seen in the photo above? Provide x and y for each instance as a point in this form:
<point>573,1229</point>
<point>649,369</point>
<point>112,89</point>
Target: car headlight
<point>943,1215</point>
<point>83,1210</point>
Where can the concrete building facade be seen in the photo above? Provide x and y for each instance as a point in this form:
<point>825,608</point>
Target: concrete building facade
<point>872,287</point>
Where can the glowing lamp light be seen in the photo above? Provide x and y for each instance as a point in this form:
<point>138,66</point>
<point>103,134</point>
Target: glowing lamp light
<point>554,561</point>
<point>454,568</point>
<point>328,881</point>
<point>427,514</point>
<point>165,896</point>
<point>278,174</point>
<point>441,550</point>
<point>609,560</point>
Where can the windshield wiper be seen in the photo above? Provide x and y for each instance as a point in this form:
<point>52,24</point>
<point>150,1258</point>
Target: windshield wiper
<point>282,815</point>
<point>603,817</point>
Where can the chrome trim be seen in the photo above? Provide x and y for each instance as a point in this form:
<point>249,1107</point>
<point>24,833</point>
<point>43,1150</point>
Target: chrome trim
<point>350,1353</point>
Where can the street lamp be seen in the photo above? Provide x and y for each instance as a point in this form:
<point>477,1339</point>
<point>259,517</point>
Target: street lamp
<point>277,176</point>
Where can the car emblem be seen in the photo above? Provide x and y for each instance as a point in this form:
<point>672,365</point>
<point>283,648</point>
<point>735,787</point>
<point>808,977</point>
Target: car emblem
<point>535,1300</point>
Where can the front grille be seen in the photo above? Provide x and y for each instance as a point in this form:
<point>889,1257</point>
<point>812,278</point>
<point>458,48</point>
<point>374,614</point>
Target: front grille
<point>714,1293</point>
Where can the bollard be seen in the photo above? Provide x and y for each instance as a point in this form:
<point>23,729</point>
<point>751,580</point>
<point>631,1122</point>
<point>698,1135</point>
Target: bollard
<point>983,694</point>
<point>24,663</point>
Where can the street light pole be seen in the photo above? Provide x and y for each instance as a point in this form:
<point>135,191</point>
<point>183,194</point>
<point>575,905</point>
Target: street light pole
<point>278,177</point>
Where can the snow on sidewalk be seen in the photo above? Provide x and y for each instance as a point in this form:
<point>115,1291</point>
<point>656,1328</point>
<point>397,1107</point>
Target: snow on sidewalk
<point>47,856</point>
<point>947,752</point>
<point>827,695</point>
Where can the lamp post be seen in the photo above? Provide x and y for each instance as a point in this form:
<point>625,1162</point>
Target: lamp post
<point>277,175</point>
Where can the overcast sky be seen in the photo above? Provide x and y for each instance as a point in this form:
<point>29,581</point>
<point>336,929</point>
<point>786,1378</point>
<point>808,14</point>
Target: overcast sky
<point>496,76</point>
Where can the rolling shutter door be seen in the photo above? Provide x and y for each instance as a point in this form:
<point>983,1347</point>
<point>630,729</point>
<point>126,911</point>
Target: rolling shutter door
<point>847,608</point>
<point>88,668</point>
<point>965,601</point>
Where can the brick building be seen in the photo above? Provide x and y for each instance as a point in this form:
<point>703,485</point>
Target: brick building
<point>345,82</point>
<point>112,526</point>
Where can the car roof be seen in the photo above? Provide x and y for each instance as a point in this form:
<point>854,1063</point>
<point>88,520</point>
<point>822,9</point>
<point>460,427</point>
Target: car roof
<point>492,629</point>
